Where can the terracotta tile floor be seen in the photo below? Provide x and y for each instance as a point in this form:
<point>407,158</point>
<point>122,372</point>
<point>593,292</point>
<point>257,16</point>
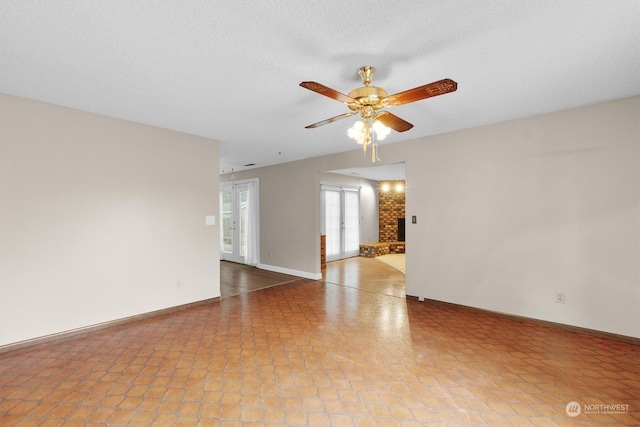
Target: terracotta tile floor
<point>321,354</point>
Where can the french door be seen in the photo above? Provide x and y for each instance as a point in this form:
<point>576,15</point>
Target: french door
<point>341,221</point>
<point>239,222</point>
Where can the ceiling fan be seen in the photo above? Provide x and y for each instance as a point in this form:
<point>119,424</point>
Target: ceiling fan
<point>369,101</point>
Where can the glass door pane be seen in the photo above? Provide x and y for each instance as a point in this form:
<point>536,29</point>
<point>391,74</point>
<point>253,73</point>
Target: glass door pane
<point>332,224</point>
<point>243,195</point>
<point>226,203</point>
<point>235,211</point>
<point>240,222</point>
<point>341,222</point>
<point>351,223</point>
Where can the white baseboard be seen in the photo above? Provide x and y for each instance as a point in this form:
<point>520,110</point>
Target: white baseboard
<point>305,274</point>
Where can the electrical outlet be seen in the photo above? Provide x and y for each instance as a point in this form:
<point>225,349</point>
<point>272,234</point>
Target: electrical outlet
<point>560,297</point>
<point>178,285</point>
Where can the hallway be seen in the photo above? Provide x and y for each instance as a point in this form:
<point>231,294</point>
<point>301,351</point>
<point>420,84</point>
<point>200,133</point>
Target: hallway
<point>362,273</point>
<point>317,353</point>
<point>366,274</point>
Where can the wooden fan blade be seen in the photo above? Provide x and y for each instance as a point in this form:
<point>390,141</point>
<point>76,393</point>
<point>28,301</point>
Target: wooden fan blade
<point>327,91</point>
<point>416,94</point>
<point>393,121</point>
<point>331,120</point>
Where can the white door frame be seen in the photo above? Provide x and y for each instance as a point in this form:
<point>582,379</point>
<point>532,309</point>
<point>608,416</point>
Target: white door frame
<point>234,188</point>
<point>342,189</point>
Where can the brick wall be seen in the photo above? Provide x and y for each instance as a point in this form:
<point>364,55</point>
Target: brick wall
<point>390,208</point>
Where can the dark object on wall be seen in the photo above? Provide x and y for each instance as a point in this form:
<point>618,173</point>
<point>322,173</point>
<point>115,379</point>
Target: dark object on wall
<point>400,229</point>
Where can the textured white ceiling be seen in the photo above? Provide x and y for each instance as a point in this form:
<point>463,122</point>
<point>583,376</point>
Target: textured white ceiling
<point>388,172</point>
<point>230,69</point>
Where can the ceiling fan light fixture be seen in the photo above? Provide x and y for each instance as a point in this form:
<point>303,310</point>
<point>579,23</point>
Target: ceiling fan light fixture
<point>362,128</point>
<point>356,131</point>
<point>381,130</point>
<point>368,101</point>
<point>367,132</point>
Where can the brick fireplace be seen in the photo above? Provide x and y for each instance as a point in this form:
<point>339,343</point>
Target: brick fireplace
<point>390,209</point>
<point>391,214</point>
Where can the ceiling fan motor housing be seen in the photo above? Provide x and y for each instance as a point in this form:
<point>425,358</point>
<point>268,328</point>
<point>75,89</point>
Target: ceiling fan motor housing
<point>369,99</point>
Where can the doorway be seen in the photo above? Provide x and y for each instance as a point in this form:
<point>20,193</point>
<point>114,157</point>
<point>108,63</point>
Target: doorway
<point>239,222</point>
<point>369,179</point>
<point>341,221</point>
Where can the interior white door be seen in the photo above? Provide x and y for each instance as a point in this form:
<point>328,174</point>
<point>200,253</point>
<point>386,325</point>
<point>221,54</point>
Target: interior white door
<point>341,221</point>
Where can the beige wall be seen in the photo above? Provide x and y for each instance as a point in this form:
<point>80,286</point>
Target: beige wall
<point>100,219</point>
<point>288,214</point>
<point>512,213</point>
<point>507,215</point>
